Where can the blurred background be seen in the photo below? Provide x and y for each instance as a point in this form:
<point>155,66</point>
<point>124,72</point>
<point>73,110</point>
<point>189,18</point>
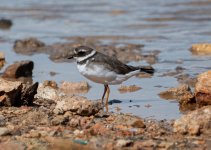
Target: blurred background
<point>154,32</point>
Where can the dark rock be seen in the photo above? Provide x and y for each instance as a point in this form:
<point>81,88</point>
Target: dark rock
<point>5,23</point>
<point>10,92</point>
<point>203,99</point>
<point>15,93</point>
<point>28,93</point>
<point>19,69</point>
<point>179,69</point>
<point>114,101</point>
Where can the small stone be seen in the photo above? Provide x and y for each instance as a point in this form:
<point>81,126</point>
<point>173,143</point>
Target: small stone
<point>203,88</point>
<point>74,87</point>
<point>59,119</point>
<point>2,60</point>
<point>123,143</point>
<point>4,131</point>
<point>2,120</point>
<point>5,23</point>
<point>148,144</point>
<point>98,129</point>
<point>138,124</point>
<point>79,105</point>
<point>130,88</point>
<point>34,134</point>
<point>47,92</point>
<point>195,122</point>
<point>52,84</point>
<point>201,49</point>
<point>114,101</point>
<point>19,69</point>
<point>182,93</point>
<point>128,120</point>
<point>52,73</point>
<point>77,132</point>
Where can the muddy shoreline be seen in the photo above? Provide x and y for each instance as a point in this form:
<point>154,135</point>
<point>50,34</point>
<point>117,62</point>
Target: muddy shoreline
<point>54,120</point>
<point>53,116</point>
<point>58,121</point>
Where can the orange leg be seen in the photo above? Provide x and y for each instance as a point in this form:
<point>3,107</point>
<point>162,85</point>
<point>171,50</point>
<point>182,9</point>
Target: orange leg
<point>105,90</point>
<point>107,96</point>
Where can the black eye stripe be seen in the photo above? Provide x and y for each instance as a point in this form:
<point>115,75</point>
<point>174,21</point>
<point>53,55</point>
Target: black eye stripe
<point>81,53</point>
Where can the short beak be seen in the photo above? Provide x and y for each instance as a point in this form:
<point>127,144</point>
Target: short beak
<point>71,57</point>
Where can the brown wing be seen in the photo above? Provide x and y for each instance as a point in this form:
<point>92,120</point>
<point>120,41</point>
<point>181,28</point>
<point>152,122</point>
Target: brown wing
<point>112,63</point>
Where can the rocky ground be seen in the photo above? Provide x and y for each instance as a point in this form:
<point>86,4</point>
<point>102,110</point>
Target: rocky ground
<point>58,121</point>
<point>50,116</point>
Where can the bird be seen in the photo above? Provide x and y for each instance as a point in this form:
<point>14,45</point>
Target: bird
<point>103,69</point>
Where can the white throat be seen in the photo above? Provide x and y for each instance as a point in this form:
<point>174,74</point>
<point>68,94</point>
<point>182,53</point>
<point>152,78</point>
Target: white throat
<point>80,59</point>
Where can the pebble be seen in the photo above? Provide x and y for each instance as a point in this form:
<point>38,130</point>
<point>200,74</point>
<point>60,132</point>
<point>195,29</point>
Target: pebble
<point>203,88</point>
<point>4,131</point>
<point>2,120</point>
<point>201,49</point>
<point>77,132</point>
<point>123,143</point>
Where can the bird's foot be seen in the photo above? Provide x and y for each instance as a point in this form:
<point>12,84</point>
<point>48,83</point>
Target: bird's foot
<point>104,107</point>
<point>103,114</point>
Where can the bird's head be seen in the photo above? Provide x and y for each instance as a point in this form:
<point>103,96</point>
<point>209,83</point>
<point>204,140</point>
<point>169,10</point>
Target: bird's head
<point>81,53</point>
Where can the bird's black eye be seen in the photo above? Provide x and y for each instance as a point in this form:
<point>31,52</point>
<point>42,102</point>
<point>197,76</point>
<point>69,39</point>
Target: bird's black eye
<point>81,53</point>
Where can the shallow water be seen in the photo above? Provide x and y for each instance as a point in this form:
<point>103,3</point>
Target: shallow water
<point>168,26</point>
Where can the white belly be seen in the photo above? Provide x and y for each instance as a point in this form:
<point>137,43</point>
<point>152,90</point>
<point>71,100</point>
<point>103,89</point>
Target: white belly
<point>99,74</point>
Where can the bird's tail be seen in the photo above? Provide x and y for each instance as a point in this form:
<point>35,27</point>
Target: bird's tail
<point>147,69</point>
